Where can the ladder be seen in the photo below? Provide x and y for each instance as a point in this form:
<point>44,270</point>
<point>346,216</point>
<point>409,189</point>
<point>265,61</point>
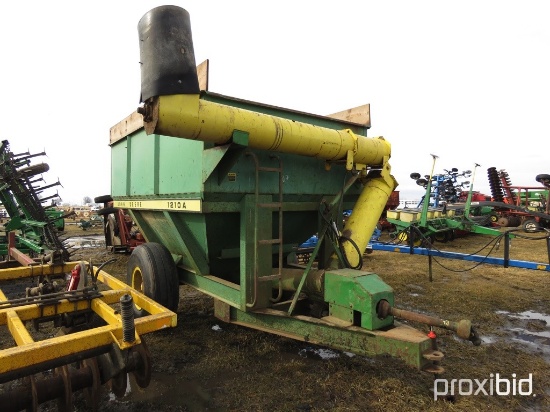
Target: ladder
<point>275,240</point>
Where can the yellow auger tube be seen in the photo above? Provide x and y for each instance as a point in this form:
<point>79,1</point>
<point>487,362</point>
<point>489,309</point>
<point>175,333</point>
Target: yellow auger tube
<point>365,215</point>
<point>187,116</point>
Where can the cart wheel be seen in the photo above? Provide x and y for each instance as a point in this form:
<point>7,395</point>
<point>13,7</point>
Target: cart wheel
<point>531,226</point>
<point>152,271</point>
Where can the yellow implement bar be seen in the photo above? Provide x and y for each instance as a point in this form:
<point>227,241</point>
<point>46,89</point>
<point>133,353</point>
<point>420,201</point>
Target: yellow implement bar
<point>190,117</point>
<point>35,270</point>
<point>29,352</point>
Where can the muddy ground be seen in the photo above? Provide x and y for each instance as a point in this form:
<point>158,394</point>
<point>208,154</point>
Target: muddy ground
<point>204,364</point>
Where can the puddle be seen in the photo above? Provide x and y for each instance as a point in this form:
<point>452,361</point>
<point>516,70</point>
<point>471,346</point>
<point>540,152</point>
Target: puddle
<point>528,314</point>
<point>487,340</point>
<point>531,329</point>
<point>84,242</point>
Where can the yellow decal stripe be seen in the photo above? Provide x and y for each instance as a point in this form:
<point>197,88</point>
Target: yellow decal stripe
<point>181,205</point>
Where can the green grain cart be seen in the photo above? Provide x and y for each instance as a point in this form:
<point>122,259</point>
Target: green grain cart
<point>224,190</point>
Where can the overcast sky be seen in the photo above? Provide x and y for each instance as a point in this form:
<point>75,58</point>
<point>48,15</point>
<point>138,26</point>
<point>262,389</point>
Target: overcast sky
<point>468,81</point>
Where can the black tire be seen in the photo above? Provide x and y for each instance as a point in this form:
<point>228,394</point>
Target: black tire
<point>422,182</point>
<point>531,226</point>
<point>544,179</point>
<point>415,176</point>
<point>442,237</point>
<point>103,199</point>
<point>107,211</point>
<point>152,271</point>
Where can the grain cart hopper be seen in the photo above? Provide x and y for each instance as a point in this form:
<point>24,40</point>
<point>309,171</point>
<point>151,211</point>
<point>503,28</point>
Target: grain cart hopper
<point>224,190</point>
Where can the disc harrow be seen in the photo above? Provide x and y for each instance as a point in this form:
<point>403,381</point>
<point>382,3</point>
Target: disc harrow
<point>98,341</point>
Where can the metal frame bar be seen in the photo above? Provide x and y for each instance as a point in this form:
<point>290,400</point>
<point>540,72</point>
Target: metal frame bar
<point>27,352</point>
<point>505,262</point>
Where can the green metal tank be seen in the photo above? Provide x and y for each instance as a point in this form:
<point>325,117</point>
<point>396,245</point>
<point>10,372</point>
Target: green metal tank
<point>191,195</point>
<point>224,190</point>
